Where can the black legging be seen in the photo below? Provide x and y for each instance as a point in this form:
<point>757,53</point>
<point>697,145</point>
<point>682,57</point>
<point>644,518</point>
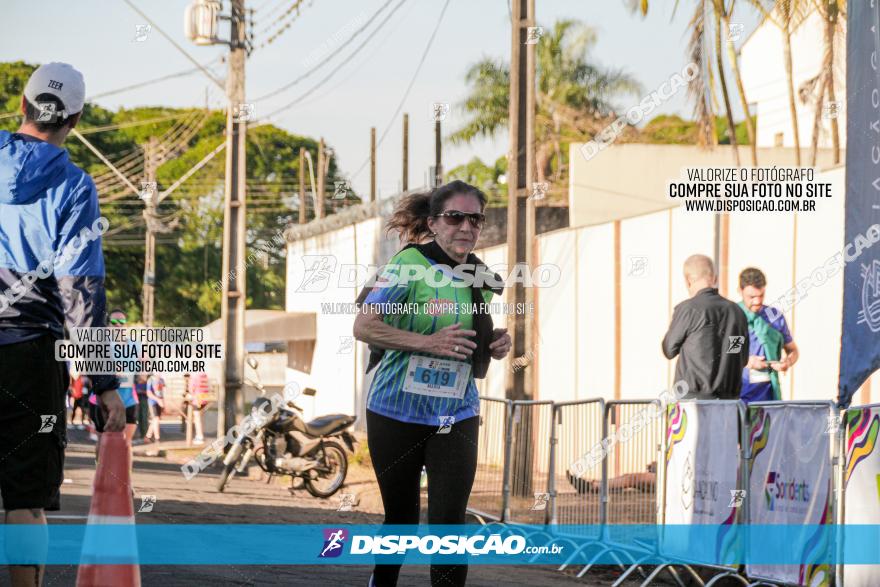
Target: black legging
<point>398,451</point>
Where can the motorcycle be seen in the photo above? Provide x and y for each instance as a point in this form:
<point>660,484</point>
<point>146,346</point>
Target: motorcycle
<point>283,443</point>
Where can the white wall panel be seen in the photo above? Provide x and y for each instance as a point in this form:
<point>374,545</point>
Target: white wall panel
<point>644,257</point>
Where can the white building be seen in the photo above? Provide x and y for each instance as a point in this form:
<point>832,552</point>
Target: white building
<point>762,62</point>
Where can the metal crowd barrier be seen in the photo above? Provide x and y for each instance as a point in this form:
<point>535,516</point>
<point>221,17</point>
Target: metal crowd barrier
<point>858,445</point>
<point>677,560</point>
<point>574,496</point>
<point>631,478</point>
<point>529,447</point>
<point>529,471</point>
<point>834,451</point>
<point>488,499</point>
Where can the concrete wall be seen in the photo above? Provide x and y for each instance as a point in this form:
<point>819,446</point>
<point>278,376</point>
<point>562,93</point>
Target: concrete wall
<point>628,180</point>
<point>576,318</point>
<point>547,219</point>
<point>337,368</point>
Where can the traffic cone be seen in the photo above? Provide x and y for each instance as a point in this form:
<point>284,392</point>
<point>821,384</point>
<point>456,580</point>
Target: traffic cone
<point>111,504</point>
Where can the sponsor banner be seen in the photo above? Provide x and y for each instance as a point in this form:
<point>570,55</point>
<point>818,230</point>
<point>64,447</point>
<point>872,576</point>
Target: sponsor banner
<point>861,483</point>
<point>293,544</point>
<point>790,484</point>
<point>860,337</point>
<point>702,473</point>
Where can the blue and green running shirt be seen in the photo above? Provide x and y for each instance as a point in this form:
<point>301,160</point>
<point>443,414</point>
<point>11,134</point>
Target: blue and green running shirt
<point>387,396</point>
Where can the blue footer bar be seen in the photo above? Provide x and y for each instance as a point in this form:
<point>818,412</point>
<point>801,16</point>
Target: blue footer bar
<point>289,544</point>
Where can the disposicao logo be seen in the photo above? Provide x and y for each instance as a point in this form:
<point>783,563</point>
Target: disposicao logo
<point>334,540</point>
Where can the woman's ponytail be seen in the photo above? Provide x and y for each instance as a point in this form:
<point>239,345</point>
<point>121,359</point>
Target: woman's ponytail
<point>410,218</point>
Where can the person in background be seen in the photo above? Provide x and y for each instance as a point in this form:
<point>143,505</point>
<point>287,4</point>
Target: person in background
<point>78,399</point>
<point>143,407</point>
<point>83,403</point>
<point>126,391</point>
<point>768,338</point>
<point>709,335</point>
<point>74,392</point>
<point>199,389</point>
<point>156,397</point>
<point>184,405</point>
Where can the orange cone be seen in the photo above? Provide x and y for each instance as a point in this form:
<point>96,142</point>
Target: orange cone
<point>111,504</point>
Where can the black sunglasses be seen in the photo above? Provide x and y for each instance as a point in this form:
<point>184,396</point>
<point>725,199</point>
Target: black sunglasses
<point>455,218</point>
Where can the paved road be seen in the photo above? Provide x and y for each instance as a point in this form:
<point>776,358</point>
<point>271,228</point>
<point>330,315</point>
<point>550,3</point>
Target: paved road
<point>247,501</point>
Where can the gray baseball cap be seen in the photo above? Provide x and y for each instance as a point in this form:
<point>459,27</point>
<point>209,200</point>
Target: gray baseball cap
<point>60,80</point>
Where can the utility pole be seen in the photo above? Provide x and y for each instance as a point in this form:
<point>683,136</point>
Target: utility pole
<point>302,185</point>
<point>521,228</point>
<point>150,194</point>
<point>373,164</point>
<point>319,199</point>
<point>521,163</point>
<point>405,152</point>
<point>438,158</point>
<point>234,227</point>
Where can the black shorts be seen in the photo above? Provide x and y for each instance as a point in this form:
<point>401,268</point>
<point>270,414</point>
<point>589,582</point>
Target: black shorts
<point>33,431</point>
<point>97,416</point>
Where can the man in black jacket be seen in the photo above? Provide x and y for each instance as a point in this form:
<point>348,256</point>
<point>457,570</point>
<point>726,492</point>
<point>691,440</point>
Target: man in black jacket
<point>710,336</point>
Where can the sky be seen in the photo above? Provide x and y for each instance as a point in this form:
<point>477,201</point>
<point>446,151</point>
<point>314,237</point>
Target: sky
<point>99,38</point>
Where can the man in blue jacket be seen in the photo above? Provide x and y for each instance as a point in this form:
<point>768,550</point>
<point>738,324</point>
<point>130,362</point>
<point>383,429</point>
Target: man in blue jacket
<point>51,273</point>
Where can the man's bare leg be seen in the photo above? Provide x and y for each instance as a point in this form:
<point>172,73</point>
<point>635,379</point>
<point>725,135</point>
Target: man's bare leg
<point>28,575</point>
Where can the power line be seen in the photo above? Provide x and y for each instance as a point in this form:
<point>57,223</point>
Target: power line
<point>95,129</point>
<point>408,88</point>
<point>295,6</point>
<point>283,29</point>
<point>132,158</point>
<point>152,81</point>
<point>176,46</point>
<point>273,11</point>
<point>356,66</point>
<point>329,57</point>
<point>326,78</point>
<point>163,157</point>
<point>264,4</point>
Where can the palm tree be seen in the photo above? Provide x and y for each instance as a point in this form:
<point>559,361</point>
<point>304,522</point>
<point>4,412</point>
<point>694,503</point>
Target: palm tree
<point>787,15</point>
<point>820,87</point>
<point>701,89</point>
<point>733,57</point>
<point>711,16</point>
<point>573,98</point>
<point>834,13</point>
<point>722,80</point>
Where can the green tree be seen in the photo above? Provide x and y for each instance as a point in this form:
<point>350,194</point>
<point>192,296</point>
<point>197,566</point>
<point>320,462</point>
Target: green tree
<point>574,97</point>
<point>188,259</point>
<point>487,178</point>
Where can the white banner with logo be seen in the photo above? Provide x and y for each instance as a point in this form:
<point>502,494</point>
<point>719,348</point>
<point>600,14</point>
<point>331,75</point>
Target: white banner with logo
<point>861,482</point>
<point>790,483</point>
<point>702,471</point>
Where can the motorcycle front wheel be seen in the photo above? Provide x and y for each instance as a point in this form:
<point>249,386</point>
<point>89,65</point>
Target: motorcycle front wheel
<point>333,467</point>
<point>228,471</point>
